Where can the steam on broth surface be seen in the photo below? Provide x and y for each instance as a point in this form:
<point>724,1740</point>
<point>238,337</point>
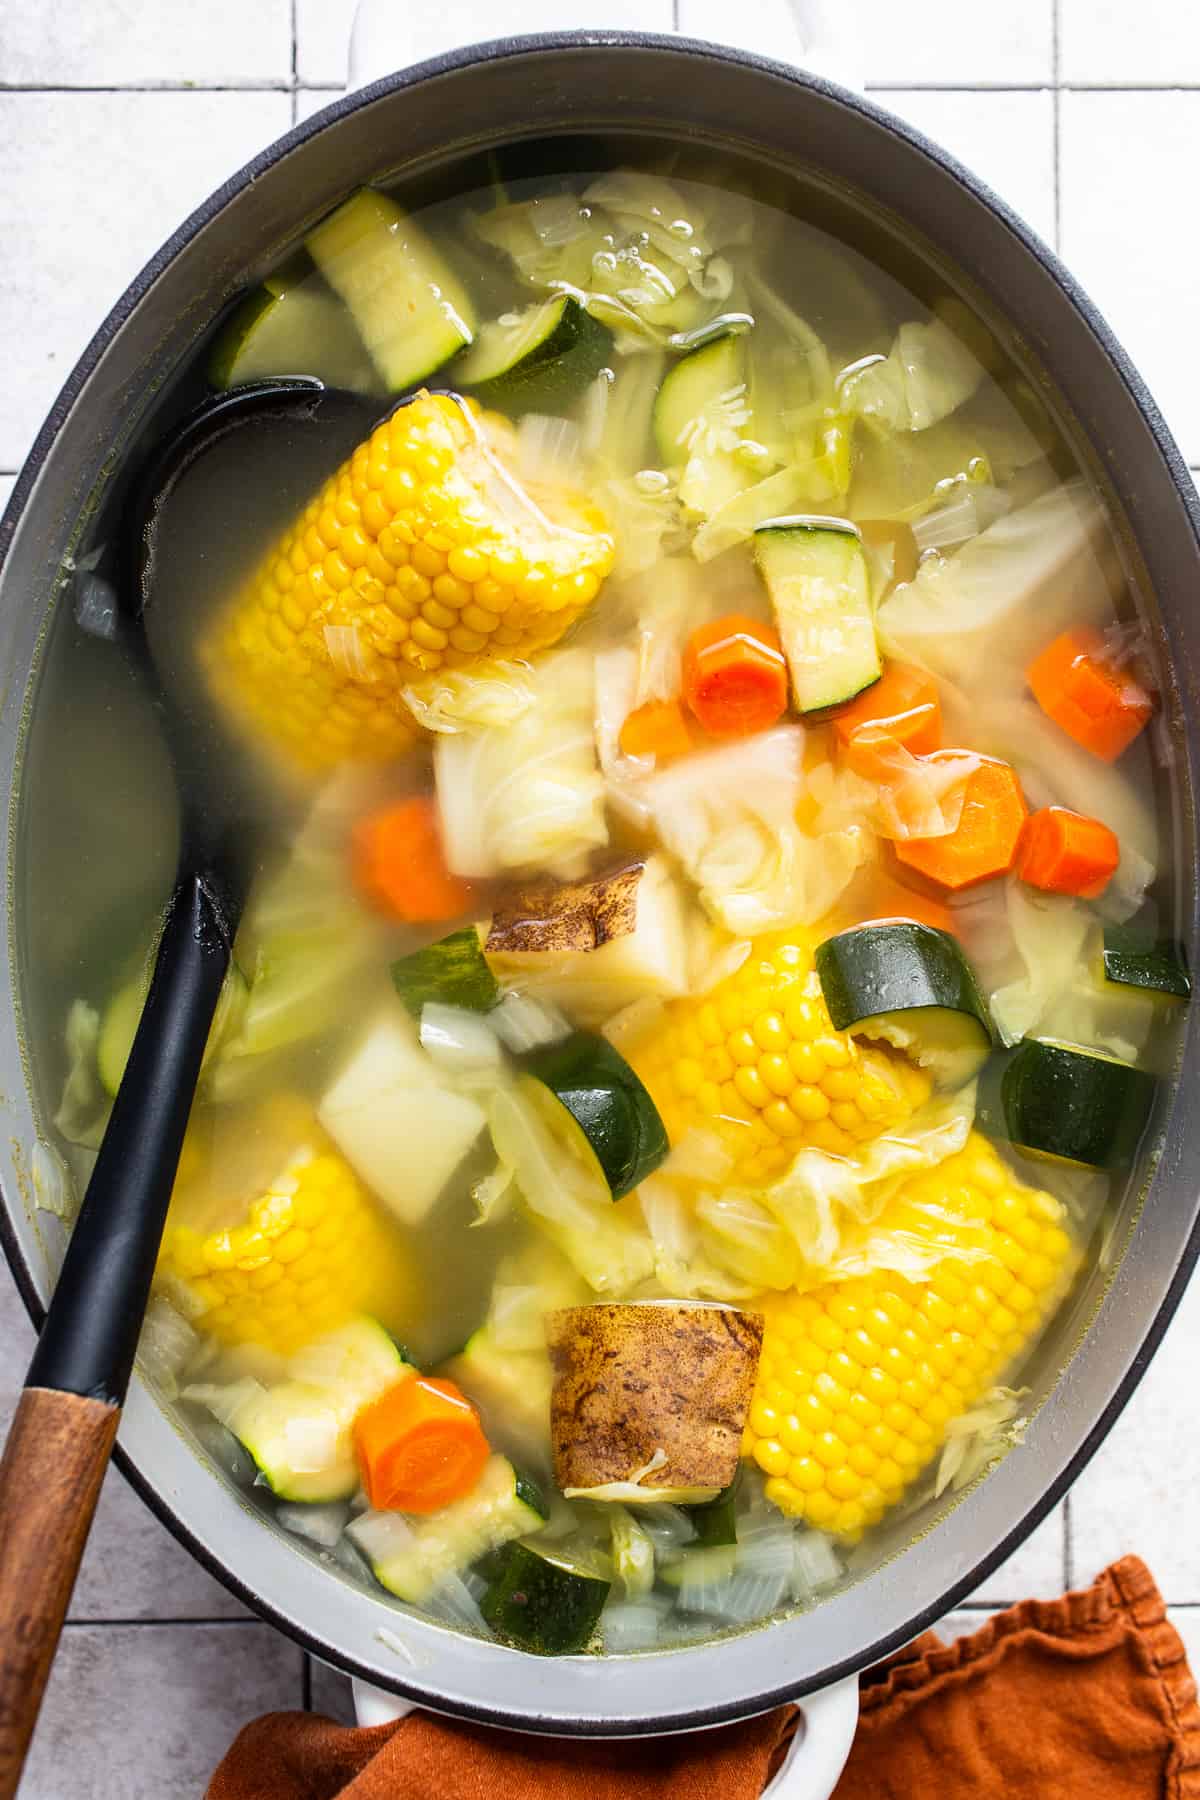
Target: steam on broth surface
<point>712,954</point>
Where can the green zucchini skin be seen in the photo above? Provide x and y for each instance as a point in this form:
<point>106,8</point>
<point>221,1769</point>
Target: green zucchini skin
<point>1062,1102</point>
<point>1136,960</point>
<point>542,1605</point>
<point>452,972</point>
<point>552,373</point>
<point>608,1102</point>
<point>897,970</point>
<point>816,576</point>
<point>716,1523</point>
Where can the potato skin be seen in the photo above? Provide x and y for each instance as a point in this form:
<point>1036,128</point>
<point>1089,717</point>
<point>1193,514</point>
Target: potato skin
<point>636,1378</point>
<point>555,917</point>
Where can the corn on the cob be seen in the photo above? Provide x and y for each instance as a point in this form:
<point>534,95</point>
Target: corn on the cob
<point>759,1061</point>
<point>310,1252</point>
<point>422,552</point>
<point>860,1378</point>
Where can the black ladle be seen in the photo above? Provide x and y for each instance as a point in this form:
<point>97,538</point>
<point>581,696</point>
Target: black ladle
<point>66,1420</point>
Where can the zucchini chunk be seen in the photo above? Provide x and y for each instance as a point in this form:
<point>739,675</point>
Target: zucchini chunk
<point>537,360</point>
<point>816,576</point>
<point>1137,960</point>
<point>910,985</point>
<point>542,1601</point>
<point>1063,1103</point>
<point>696,394</point>
<point>619,1430</point>
<point>593,946</point>
<point>595,1104</point>
<point>716,1523</point>
<point>411,1556</point>
<point>298,1430</point>
<point>291,328</point>
<point>411,311</point>
<point>452,972</point>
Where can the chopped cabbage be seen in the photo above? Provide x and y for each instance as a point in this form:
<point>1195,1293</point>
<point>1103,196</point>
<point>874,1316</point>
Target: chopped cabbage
<point>84,1105</point>
<point>979,1437</point>
<point>685,1266</point>
<point>1048,932</point>
<point>977,618</point>
<point>529,1283</point>
<point>529,794</point>
<point>729,816</point>
<point>493,693</point>
<point>814,1224</point>
<point>927,375</point>
<point>635,246</point>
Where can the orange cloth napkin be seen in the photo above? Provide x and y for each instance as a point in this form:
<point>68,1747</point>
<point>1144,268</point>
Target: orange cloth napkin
<point>1084,1698</point>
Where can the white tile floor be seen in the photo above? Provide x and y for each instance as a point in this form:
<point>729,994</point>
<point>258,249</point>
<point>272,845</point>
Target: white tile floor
<point>1052,102</point>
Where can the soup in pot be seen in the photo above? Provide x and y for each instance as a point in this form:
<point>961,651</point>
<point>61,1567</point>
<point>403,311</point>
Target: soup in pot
<point>712,954</point>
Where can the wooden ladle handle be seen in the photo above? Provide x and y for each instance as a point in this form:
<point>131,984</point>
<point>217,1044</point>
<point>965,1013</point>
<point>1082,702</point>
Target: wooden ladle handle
<point>54,1461</point>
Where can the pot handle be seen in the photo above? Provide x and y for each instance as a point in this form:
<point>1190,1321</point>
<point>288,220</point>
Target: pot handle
<point>818,35</point>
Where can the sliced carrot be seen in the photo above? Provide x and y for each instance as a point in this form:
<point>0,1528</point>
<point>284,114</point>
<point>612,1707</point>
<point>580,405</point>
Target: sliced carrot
<point>419,1446</point>
<point>735,679</point>
<point>399,866</point>
<point>986,840</point>
<point>902,707</point>
<point>1065,852</point>
<point>658,728</point>
<point>1095,701</point>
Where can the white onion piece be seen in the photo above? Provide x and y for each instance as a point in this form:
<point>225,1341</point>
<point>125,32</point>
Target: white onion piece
<point>458,1039</point>
<point>321,1525</point>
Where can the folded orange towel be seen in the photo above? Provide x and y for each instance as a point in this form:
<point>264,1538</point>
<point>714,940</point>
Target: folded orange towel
<point>1084,1698</point>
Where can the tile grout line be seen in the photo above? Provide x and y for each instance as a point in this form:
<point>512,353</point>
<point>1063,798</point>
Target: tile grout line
<point>291,85</point>
<point>1056,114</point>
<point>306,1691</point>
<point>295,60</point>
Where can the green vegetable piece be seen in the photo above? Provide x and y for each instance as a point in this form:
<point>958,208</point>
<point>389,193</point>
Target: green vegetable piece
<point>716,1524</point>
<point>619,1126</point>
<point>292,327</point>
<point>1062,1103</point>
<point>910,985</point>
<point>1135,959</point>
<point>538,360</point>
<point>817,577</point>
<point>411,310</point>
<point>543,1603</point>
<point>454,972</point>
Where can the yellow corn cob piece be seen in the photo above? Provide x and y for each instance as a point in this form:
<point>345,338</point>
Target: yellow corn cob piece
<point>758,1060</point>
<point>310,1252</point>
<point>860,1378</point>
<point>427,547</point>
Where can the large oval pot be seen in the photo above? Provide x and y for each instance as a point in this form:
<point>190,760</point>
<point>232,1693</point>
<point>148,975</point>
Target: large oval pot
<point>852,155</point>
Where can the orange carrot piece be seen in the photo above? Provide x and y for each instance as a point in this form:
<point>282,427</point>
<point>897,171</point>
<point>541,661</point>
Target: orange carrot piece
<point>902,707</point>
<point>658,728</point>
<point>1097,703</point>
<point>735,679</point>
<point>399,866</point>
<point>419,1446</point>
<point>1065,852</point>
<point>988,834</point>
